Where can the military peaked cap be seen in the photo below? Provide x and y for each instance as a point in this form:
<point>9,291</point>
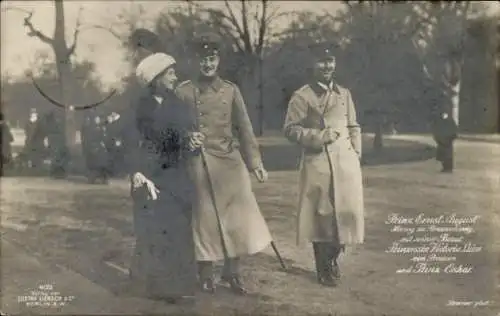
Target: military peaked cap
<point>322,51</point>
<point>207,44</point>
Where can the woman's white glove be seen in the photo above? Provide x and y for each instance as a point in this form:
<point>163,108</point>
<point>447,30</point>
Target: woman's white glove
<point>139,180</point>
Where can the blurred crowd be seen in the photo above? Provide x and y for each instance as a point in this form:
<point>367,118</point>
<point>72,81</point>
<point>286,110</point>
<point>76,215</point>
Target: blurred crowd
<point>102,145</point>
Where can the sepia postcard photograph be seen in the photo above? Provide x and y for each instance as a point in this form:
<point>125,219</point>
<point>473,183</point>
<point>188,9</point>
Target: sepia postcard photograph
<point>260,157</point>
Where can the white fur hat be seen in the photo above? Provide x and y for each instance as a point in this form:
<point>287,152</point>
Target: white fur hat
<point>152,66</point>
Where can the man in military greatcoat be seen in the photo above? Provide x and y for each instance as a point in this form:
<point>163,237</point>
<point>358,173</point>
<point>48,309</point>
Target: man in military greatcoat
<point>227,222</point>
<point>321,119</point>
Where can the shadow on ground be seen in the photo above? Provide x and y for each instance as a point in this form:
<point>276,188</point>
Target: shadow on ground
<point>282,157</point>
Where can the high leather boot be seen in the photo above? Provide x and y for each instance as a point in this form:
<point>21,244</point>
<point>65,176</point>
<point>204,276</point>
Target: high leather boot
<point>206,276</point>
<point>323,266</point>
<point>231,275</point>
<point>335,253</point>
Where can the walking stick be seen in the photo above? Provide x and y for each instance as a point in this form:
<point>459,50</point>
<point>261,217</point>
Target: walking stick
<point>278,255</point>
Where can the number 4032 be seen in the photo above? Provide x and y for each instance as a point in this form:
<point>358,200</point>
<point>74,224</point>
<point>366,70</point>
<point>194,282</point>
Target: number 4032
<point>46,287</point>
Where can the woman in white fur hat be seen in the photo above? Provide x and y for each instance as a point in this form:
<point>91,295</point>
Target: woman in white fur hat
<point>164,256</point>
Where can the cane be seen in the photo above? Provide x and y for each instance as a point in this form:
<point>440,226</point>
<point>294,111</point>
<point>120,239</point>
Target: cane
<point>273,245</point>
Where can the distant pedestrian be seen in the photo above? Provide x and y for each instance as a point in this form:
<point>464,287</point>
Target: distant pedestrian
<point>34,147</point>
<point>445,132</point>
<point>94,148</point>
<point>7,138</point>
<point>53,126</point>
<point>115,143</point>
<point>321,118</point>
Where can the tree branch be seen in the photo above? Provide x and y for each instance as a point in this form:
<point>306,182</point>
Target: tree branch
<point>226,30</point>
<point>262,28</point>
<point>232,18</point>
<point>36,33</point>
<point>218,19</point>
<point>108,29</point>
<point>275,15</point>
<point>246,30</point>
<point>5,9</point>
<point>72,48</point>
<point>165,22</point>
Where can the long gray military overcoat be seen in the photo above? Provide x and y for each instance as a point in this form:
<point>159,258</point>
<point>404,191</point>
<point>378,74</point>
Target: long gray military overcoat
<point>330,206</point>
<point>230,144</point>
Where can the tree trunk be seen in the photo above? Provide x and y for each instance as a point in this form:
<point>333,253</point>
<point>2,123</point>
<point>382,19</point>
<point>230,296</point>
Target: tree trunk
<point>452,76</point>
<point>455,103</point>
<point>260,106</point>
<point>62,56</point>
<point>250,88</point>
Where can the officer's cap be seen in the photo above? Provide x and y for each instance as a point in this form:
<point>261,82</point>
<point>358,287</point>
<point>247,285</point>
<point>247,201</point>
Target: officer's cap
<point>207,44</point>
<point>322,51</point>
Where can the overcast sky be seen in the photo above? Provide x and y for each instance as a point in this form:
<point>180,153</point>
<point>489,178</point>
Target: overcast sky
<point>18,49</point>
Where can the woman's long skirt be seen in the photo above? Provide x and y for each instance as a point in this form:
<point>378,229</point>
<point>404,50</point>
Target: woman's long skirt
<point>164,260</point>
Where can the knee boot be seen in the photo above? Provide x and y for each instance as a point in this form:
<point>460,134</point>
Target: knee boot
<point>231,275</point>
<point>206,276</point>
<point>323,264</point>
<point>335,253</point>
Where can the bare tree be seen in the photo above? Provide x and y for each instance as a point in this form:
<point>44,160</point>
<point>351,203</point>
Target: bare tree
<point>62,51</point>
<point>432,31</point>
<point>440,40</point>
<point>249,25</point>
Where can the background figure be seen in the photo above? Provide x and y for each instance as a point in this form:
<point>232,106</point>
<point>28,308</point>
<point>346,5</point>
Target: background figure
<point>164,253</point>
<point>115,143</point>
<point>445,132</point>
<point>34,147</point>
<point>94,148</point>
<point>321,118</point>
<point>7,138</point>
<point>220,172</point>
<point>53,128</point>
